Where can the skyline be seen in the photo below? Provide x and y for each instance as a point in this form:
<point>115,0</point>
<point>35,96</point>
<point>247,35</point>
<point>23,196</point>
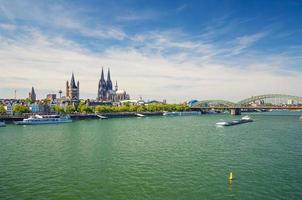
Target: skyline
<point>158,50</point>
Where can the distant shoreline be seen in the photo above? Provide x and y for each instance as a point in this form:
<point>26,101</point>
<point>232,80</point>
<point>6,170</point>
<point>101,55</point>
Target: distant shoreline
<point>11,119</point>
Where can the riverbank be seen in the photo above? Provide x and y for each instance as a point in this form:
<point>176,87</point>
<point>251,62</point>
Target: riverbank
<point>113,115</point>
<point>11,119</point>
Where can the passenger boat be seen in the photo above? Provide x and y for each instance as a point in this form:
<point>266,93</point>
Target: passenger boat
<point>2,124</point>
<point>44,119</point>
<point>102,117</point>
<point>185,113</point>
<point>243,120</point>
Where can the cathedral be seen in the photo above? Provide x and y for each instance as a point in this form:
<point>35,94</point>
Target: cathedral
<point>73,90</point>
<point>106,92</point>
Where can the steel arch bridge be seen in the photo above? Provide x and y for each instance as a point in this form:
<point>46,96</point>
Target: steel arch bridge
<point>245,102</point>
<point>268,96</point>
<point>215,102</point>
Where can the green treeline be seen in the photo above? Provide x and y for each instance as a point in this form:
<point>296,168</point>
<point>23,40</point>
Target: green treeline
<point>83,108</point>
<point>142,108</point>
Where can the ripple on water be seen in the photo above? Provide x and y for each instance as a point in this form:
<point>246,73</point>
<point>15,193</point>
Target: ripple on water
<point>153,158</point>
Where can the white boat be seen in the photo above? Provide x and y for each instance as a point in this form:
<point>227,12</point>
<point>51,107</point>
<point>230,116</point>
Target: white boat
<point>139,115</point>
<point>184,113</point>
<point>102,117</point>
<point>2,124</point>
<point>243,120</point>
<point>45,119</point>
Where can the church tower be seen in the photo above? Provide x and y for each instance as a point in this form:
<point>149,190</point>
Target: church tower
<point>32,95</point>
<point>109,82</point>
<point>72,89</point>
<point>102,89</point>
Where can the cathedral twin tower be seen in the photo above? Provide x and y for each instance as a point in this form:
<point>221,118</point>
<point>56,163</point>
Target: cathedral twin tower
<point>106,92</point>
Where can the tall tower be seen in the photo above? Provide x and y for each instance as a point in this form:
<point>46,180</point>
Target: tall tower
<point>102,88</point>
<point>73,90</point>
<point>109,82</point>
<point>32,95</point>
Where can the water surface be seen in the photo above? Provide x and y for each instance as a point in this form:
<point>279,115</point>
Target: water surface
<point>153,158</point>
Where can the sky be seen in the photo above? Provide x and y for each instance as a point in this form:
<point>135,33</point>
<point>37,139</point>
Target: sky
<point>156,49</point>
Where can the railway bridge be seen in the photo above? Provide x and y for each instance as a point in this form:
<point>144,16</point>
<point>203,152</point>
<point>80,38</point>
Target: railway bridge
<point>276,101</point>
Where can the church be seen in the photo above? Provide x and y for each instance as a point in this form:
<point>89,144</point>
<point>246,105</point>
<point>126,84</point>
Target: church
<point>106,92</point>
<point>73,90</point>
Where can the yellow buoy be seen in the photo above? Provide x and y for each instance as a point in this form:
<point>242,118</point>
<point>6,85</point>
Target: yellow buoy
<point>300,118</point>
<point>231,176</point>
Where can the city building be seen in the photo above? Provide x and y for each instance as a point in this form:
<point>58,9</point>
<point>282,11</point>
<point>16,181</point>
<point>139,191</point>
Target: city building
<point>32,95</point>
<point>44,108</point>
<point>34,108</point>
<point>9,109</point>
<point>290,102</point>
<point>106,91</point>
<point>51,97</point>
<point>72,90</point>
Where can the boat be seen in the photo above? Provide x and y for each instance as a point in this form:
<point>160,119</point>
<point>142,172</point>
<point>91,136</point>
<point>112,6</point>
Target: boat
<point>139,115</point>
<point>184,113</point>
<point>2,124</point>
<point>102,117</point>
<point>243,120</point>
<point>231,177</point>
<point>44,119</point>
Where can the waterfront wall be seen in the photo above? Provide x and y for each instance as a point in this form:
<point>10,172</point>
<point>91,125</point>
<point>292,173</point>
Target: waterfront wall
<point>10,119</point>
<point>113,115</point>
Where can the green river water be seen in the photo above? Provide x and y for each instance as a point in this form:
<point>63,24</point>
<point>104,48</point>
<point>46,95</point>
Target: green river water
<point>154,158</point>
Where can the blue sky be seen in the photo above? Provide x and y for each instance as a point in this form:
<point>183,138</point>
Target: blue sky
<point>174,50</point>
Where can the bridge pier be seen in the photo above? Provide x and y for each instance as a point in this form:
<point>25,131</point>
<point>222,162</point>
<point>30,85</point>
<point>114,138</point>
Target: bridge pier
<point>235,111</point>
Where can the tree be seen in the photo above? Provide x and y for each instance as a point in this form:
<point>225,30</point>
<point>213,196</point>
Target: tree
<point>70,109</point>
<point>58,109</point>
<point>2,110</point>
<point>83,108</point>
<point>104,109</point>
<point>20,109</point>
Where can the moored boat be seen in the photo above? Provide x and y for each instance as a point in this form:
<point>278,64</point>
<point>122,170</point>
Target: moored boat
<point>44,119</point>
<point>184,113</point>
<point>243,120</point>
<point>2,124</point>
<point>102,117</point>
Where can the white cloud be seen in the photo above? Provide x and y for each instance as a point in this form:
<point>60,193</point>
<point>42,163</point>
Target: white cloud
<point>155,64</point>
<point>130,16</point>
<point>8,27</point>
<point>246,41</point>
<point>59,16</point>
<point>47,62</point>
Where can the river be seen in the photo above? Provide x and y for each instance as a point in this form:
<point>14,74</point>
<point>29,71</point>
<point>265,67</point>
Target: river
<point>154,158</point>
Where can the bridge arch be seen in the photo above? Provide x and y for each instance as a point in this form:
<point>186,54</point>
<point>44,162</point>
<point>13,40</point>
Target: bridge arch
<point>215,102</point>
<point>268,96</point>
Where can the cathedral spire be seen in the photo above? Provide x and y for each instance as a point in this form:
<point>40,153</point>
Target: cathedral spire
<point>108,75</point>
<point>109,82</point>
<point>33,90</point>
<point>72,82</point>
<point>102,76</point>
<point>32,94</point>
